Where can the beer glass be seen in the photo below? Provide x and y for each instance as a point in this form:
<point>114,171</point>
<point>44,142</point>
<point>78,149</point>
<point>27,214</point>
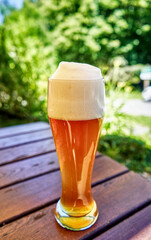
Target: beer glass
<point>75,110</point>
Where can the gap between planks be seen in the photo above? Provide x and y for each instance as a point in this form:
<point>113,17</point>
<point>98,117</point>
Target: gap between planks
<point>44,173</point>
<point>23,128</point>
<point>22,133</point>
<point>28,191</point>
<point>116,221</point>
<point>49,203</point>
<point>24,143</point>
<point>107,218</point>
<point>19,153</point>
<point>27,158</point>
<point>136,226</point>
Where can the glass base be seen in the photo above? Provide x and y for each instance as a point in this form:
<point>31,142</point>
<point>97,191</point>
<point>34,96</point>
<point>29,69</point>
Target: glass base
<point>76,223</point>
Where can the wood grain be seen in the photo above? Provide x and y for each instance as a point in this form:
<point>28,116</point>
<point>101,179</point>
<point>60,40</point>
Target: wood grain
<point>115,199</point>
<point>25,169</point>
<point>137,227</point>
<point>23,128</point>
<point>25,138</point>
<point>35,166</point>
<point>25,151</point>
<point>45,189</point>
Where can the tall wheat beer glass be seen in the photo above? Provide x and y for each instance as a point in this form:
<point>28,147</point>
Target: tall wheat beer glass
<point>75,110</point>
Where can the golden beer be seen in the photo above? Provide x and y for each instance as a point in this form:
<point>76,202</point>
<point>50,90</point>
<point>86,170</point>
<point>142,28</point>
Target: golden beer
<point>76,136</point>
<point>76,143</point>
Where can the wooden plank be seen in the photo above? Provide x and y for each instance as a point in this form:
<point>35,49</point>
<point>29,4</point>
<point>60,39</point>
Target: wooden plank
<point>28,150</point>
<point>45,189</point>
<point>106,168</point>
<point>25,151</point>
<point>25,138</point>
<point>137,227</point>
<point>25,169</point>
<point>23,128</point>
<point>115,200</point>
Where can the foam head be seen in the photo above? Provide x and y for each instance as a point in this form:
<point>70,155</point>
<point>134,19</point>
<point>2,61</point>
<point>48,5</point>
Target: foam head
<point>77,71</point>
<point>76,92</point>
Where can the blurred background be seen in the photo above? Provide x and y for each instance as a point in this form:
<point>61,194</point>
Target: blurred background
<point>114,35</point>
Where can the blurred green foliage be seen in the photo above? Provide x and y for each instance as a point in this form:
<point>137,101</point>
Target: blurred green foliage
<point>34,39</point>
<point>127,150</point>
<point>119,75</point>
<point>118,141</point>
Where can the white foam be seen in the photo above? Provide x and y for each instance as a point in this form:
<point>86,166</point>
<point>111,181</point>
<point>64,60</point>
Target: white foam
<point>76,92</point>
<point>76,71</point>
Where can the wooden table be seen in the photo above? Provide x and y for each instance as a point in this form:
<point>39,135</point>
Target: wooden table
<point>30,186</point>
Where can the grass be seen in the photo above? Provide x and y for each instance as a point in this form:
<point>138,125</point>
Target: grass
<point>129,95</point>
<point>127,150</point>
<point>143,120</point>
